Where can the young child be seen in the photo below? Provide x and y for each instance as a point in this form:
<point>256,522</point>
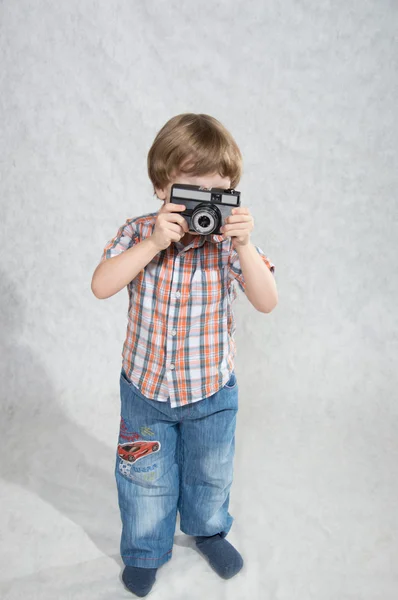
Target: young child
<point>179,393</point>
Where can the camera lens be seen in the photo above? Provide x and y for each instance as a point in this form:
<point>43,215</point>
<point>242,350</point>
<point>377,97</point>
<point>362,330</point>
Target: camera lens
<point>205,219</point>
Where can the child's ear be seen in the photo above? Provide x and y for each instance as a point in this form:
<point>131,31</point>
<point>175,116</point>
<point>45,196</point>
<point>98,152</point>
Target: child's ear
<point>161,193</point>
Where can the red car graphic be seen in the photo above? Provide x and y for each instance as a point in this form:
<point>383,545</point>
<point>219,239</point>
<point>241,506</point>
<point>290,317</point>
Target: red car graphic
<point>136,450</point>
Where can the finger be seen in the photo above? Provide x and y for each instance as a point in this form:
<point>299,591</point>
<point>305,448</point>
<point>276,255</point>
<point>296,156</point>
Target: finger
<point>236,233</point>
<point>175,237</point>
<point>171,207</point>
<point>236,226</point>
<point>238,218</point>
<point>241,210</point>
<point>174,218</point>
<point>175,228</point>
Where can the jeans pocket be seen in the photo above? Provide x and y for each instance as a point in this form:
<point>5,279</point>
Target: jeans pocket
<point>232,382</point>
<point>124,378</point>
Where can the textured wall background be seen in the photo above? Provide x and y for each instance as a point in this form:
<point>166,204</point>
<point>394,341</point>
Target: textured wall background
<point>309,90</point>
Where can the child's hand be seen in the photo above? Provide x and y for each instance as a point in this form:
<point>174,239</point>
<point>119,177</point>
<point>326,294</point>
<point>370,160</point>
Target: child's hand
<point>238,226</point>
<point>170,226</point>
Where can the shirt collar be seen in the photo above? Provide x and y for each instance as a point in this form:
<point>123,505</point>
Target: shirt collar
<point>215,239</point>
<point>199,240</point>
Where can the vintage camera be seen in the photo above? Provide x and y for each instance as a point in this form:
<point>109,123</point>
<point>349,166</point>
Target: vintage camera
<point>205,208</point>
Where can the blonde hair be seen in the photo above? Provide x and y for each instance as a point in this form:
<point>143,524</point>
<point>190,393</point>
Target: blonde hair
<point>196,145</point>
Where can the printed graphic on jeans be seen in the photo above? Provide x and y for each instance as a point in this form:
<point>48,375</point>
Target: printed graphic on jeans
<point>147,431</point>
<point>147,473</point>
<point>125,434</point>
<point>131,452</point>
<point>130,436</point>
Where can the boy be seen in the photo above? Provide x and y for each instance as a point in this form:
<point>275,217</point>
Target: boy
<point>179,394</point>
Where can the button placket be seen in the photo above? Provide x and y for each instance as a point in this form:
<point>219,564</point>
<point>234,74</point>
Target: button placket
<point>174,310</point>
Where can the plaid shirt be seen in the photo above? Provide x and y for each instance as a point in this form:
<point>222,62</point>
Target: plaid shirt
<point>180,331</point>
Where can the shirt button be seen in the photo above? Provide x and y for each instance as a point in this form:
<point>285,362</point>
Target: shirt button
<point>178,294</point>
<point>172,367</point>
<point>173,332</point>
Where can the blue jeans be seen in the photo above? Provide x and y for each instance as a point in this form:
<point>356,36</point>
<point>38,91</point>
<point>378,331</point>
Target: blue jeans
<point>171,459</point>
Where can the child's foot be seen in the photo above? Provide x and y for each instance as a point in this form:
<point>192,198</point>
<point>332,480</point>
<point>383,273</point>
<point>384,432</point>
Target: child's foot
<point>223,557</point>
<point>139,580</point>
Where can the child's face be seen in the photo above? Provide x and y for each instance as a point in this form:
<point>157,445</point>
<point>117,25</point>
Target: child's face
<point>207,181</point>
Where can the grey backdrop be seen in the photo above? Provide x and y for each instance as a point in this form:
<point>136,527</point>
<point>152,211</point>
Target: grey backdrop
<point>309,90</point>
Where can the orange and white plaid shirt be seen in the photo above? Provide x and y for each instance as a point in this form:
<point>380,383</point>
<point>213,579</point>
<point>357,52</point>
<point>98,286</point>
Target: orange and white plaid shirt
<point>180,331</point>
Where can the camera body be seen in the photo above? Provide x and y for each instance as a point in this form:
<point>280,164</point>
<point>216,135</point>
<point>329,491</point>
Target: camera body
<point>205,208</point>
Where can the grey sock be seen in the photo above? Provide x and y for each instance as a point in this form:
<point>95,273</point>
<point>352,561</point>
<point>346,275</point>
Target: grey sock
<point>139,580</point>
<point>222,556</point>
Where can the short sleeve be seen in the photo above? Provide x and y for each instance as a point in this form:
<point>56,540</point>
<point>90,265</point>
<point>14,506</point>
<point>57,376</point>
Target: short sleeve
<point>126,237</point>
<point>235,271</point>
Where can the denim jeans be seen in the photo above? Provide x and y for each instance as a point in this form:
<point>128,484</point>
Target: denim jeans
<point>171,459</point>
